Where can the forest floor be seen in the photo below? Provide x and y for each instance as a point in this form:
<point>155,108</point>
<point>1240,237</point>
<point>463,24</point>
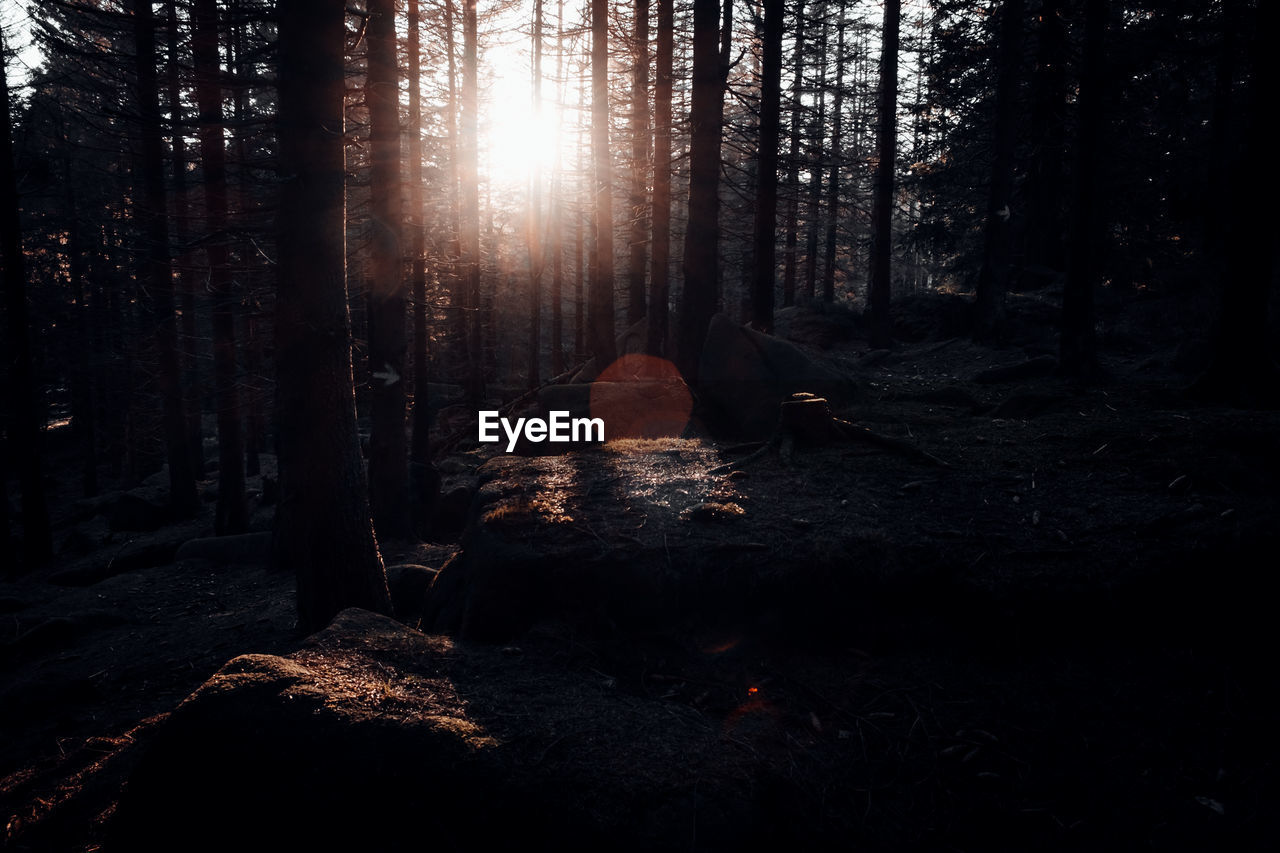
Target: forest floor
<point>1056,637</point>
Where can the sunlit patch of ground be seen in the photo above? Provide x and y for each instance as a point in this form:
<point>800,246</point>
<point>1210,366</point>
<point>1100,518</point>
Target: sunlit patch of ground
<point>654,445</point>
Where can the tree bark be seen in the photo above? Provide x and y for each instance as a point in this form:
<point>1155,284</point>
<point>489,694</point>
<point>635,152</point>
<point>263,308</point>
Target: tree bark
<point>536,227</point>
<point>469,204</point>
<point>232,515</point>
<point>584,255</point>
<point>388,454</point>
<point>817,161</point>
<point>1243,370</point>
<point>1078,356</point>
<point>764,239</point>
<point>1045,179</point>
<point>993,277</point>
<point>557,217</point>
<point>639,166</point>
<point>702,237</point>
<point>793,164</point>
<point>155,275</point>
<point>833,178</point>
<point>420,446</point>
<point>600,334</point>
<point>660,276</point>
<point>878,280</point>
<point>23,419</point>
<point>193,399</point>
<point>323,528</point>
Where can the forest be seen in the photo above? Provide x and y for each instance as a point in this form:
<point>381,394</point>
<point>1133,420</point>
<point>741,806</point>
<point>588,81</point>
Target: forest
<point>932,346</point>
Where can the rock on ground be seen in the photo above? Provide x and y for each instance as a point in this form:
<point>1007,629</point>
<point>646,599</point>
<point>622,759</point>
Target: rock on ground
<point>744,375</point>
<point>377,737</point>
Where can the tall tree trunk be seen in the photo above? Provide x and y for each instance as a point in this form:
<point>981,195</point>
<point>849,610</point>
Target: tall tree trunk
<point>458,316</point>
<point>388,454</point>
<point>1045,178</point>
<point>815,166</point>
<point>993,278</point>
<point>600,335</point>
<point>660,276</point>
<point>584,257</point>
<point>23,419</point>
<point>232,514</point>
<point>1078,343</point>
<point>878,280</point>
<point>1223,142</point>
<point>469,193</point>
<point>763,236</point>
<point>995,273</point>
<point>1243,371</point>
<point>247,256</point>
<point>702,236</point>
<point>639,166</point>
<point>155,273</point>
<point>793,164</point>
<point>323,529</point>
<point>83,415</point>
<point>193,400</point>
<point>420,447</point>
<point>557,216</point>
<point>833,179</point>
<point>536,226</point>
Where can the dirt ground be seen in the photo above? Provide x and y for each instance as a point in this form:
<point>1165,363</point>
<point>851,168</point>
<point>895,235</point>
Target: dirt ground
<point>1057,636</point>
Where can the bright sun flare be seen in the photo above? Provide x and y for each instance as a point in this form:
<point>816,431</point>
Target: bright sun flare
<point>514,140</point>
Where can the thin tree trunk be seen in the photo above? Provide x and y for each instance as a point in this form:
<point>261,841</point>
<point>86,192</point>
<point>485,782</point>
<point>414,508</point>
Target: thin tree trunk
<point>458,317</point>
<point>388,454</point>
<point>584,258</point>
<point>23,420</point>
<point>83,415</point>
<point>833,180</point>
<point>323,529</point>
<point>600,332</point>
<point>255,425</point>
<point>763,236</point>
<point>639,166</point>
<point>793,164</point>
<point>1045,178</point>
<point>1243,371</point>
<point>193,401</point>
<point>536,226</point>
<point>993,278</point>
<point>232,515</point>
<point>155,273</point>
<point>815,167</point>
<point>660,276</point>
<point>420,447</point>
<point>1078,344</point>
<point>878,280</point>
<point>702,237</point>
<point>557,216</point>
<point>469,186</point>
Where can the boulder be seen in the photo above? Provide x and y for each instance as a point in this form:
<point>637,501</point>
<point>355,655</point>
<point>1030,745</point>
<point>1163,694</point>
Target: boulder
<point>140,510</point>
<point>225,550</point>
<point>632,340</point>
<point>639,396</point>
<point>376,737</point>
<point>818,324</point>
<point>743,376</point>
<point>408,583</point>
<point>599,540</point>
<point>452,512</point>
